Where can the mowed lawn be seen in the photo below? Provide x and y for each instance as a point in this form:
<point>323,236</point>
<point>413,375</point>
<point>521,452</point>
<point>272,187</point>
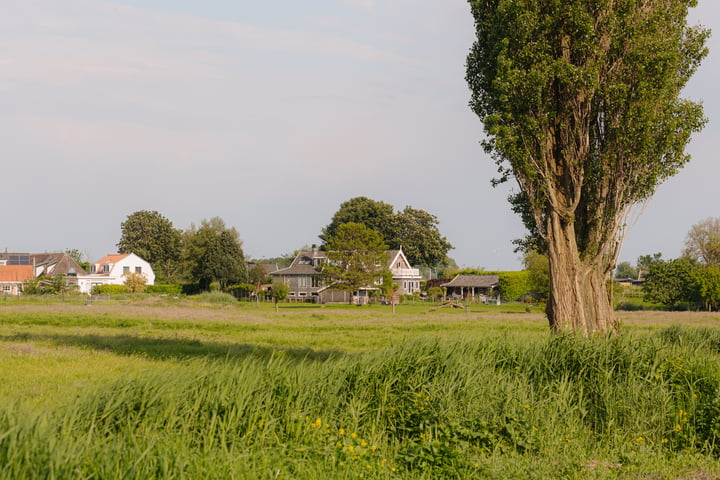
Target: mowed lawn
<point>175,388</point>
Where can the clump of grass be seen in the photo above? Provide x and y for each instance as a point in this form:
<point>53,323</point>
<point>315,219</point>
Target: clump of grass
<point>220,298</point>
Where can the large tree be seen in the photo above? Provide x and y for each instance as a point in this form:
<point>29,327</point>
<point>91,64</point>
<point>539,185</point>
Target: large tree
<point>152,237</point>
<point>703,242</point>
<point>371,213</point>
<point>356,257</point>
<point>213,253</point>
<point>413,230</point>
<point>580,103</point>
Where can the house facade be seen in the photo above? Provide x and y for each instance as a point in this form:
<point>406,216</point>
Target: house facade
<point>113,269</point>
<point>304,275</point>
<point>14,268</point>
<point>305,279</point>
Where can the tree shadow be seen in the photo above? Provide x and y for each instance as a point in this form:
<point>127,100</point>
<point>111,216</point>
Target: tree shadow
<point>175,348</point>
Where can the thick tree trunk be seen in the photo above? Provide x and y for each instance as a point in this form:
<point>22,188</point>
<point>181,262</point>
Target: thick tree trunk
<point>579,298</point>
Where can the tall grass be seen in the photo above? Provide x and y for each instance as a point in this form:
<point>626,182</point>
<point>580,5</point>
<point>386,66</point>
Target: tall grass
<point>503,407</point>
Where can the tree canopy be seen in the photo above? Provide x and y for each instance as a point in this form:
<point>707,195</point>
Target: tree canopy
<point>356,257</point>
<point>152,237</point>
<point>580,101</point>
<point>703,242</point>
<point>413,230</point>
<point>213,253</point>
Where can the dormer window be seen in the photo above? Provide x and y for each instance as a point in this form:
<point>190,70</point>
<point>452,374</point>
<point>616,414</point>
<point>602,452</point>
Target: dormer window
<point>105,268</point>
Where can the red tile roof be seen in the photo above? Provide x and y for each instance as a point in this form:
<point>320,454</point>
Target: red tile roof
<point>16,273</point>
<point>112,258</point>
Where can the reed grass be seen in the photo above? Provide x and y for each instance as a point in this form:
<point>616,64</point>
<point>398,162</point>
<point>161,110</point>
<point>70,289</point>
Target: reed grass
<point>131,394</point>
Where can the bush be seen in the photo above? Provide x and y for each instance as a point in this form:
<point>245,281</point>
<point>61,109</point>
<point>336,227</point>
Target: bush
<point>216,297</point>
<point>168,289</point>
<point>109,290</point>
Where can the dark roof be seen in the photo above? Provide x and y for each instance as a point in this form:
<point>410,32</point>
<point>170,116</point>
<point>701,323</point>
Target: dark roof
<point>477,281</point>
<point>268,268</point>
<point>304,263</point>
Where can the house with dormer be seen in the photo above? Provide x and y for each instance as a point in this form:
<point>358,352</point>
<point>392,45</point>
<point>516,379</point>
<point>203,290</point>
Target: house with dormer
<point>113,270</point>
<point>304,275</point>
<point>305,280</point>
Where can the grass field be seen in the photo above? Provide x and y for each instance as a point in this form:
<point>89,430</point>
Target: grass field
<point>178,388</point>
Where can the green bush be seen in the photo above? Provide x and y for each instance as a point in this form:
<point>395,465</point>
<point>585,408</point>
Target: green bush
<point>215,297</point>
<point>169,289</point>
<point>109,290</point>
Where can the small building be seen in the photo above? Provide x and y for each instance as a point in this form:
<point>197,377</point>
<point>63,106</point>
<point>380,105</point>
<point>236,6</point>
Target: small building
<point>12,278</point>
<point>472,286</point>
<point>112,270</point>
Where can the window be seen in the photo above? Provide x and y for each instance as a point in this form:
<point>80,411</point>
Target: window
<point>138,269</point>
<point>303,294</point>
<point>126,270</point>
<point>105,268</point>
<point>303,281</point>
<point>7,288</point>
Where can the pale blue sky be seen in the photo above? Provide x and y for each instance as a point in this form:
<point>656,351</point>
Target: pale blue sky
<point>269,115</point>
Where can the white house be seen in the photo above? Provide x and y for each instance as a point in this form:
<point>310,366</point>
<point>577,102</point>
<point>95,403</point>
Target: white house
<point>404,276</point>
<point>112,269</point>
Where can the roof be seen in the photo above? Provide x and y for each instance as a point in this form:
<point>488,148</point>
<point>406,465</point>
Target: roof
<point>477,281</point>
<point>302,264</point>
<point>58,263</point>
<point>111,258</point>
<point>268,268</point>
<point>15,273</point>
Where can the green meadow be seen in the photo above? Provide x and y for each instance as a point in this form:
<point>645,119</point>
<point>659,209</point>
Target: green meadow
<point>208,388</point>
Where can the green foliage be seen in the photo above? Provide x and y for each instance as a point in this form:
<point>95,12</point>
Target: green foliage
<point>373,214</point>
<point>435,293</point>
<point>703,242</point>
<point>135,282</point>
<point>514,285</point>
<point>505,407</point>
<point>218,298</point>
<point>279,291</point>
<point>416,232</point>
<point>705,282</point>
<point>257,275</point>
<point>644,262</point>
<point>356,257</point>
<point>109,290</point>
<point>169,289</point>
<point>46,285</point>
<point>213,253</point>
<point>670,282</point>
<point>413,230</point>
<point>153,238</point>
<point>538,268</point>
<point>580,102</point>
<point>241,290</point>
<point>626,270</point>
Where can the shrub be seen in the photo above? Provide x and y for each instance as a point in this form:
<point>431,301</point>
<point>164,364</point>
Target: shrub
<point>109,290</point>
<point>168,289</point>
<point>216,297</point>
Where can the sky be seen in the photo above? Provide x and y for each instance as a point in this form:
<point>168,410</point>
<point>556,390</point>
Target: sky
<point>270,115</point>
